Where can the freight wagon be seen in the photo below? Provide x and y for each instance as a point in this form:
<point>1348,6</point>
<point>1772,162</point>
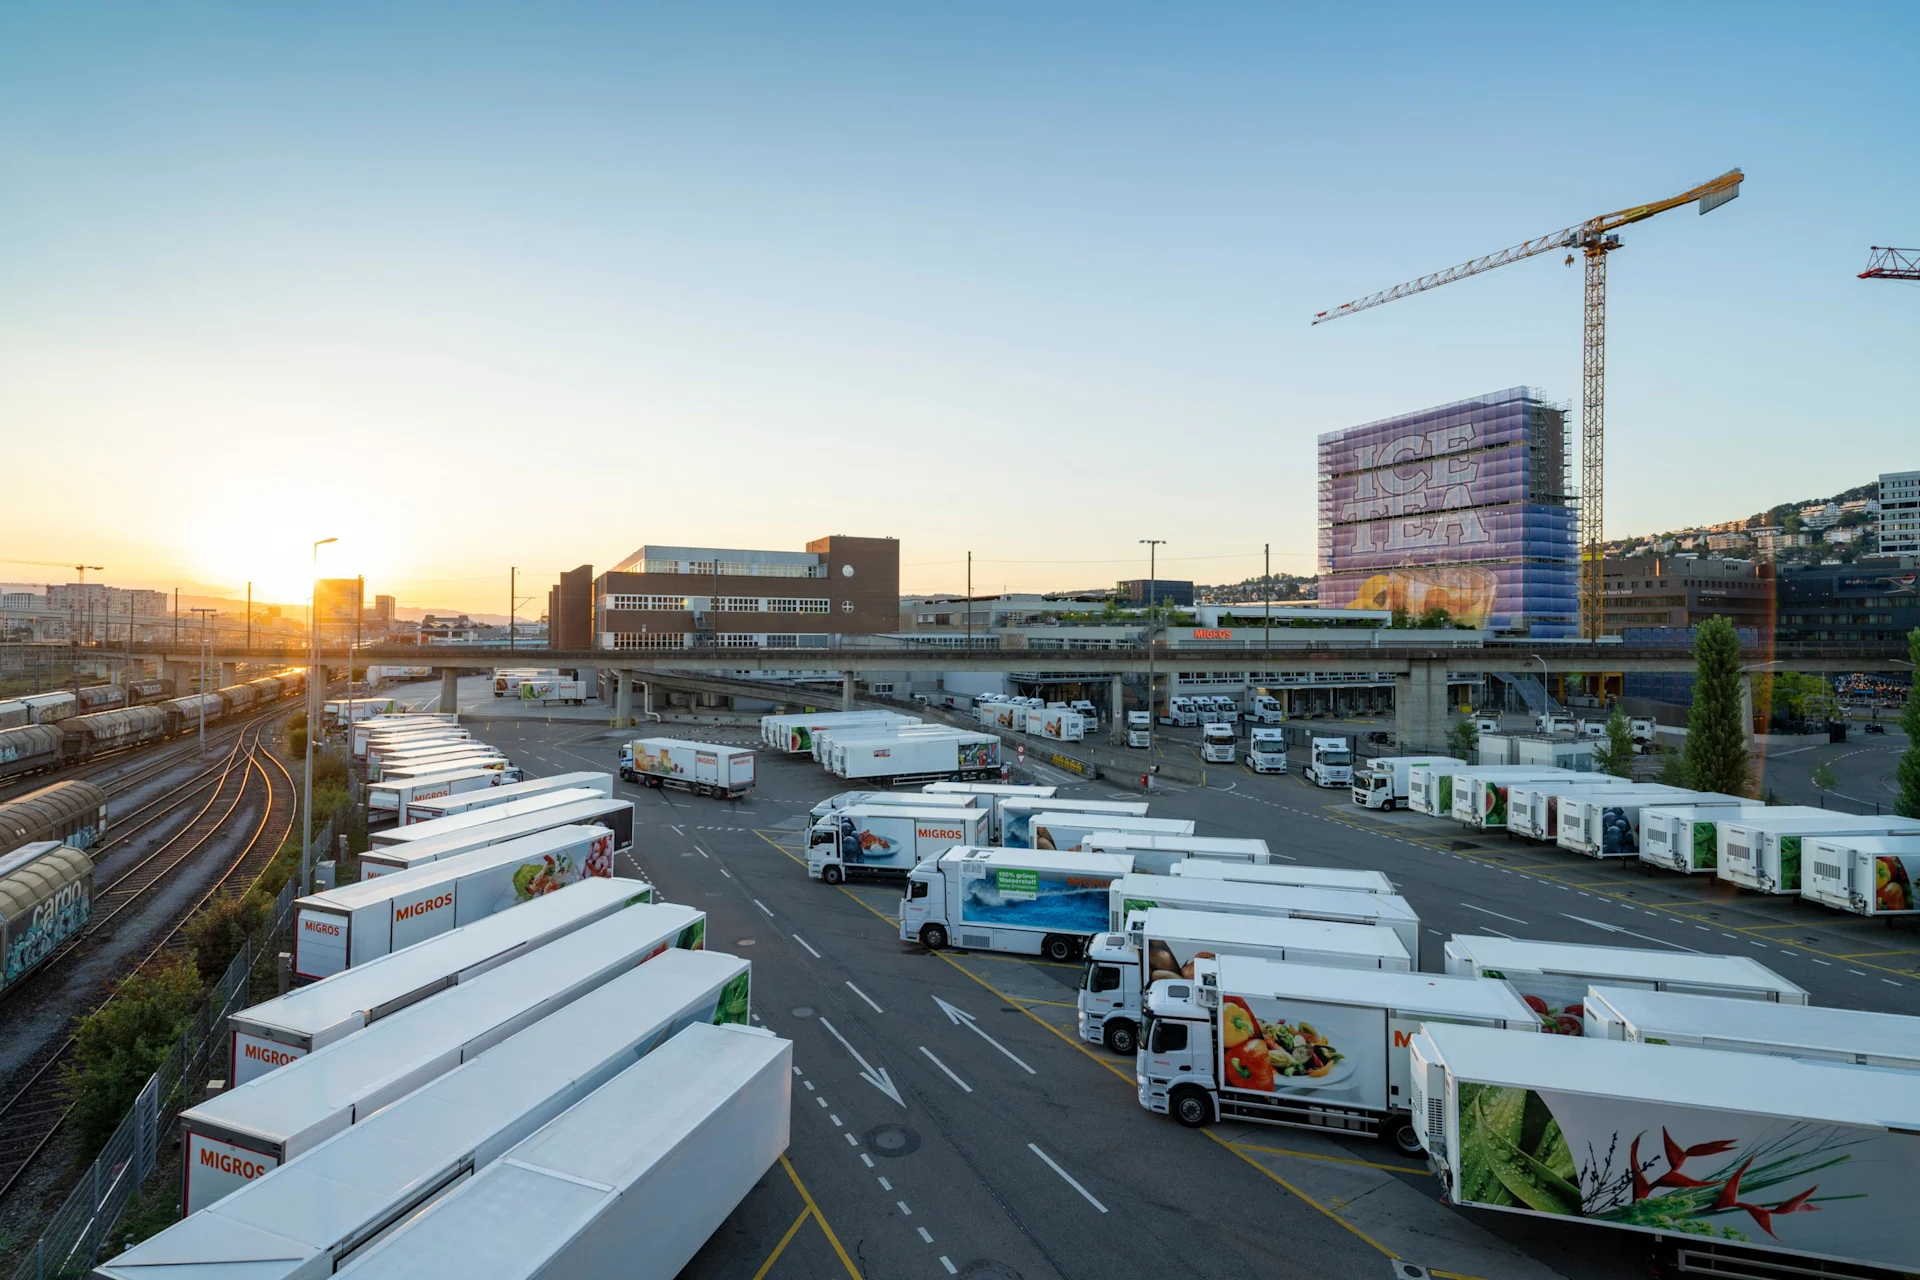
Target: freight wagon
<point>46,896</point>
<point>100,697</point>
<point>29,748</point>
<point>73,812</point>
<point>84,737</point>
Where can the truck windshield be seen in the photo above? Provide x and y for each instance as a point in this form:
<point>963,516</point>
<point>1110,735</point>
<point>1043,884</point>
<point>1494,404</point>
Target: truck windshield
<point>1334,759</point>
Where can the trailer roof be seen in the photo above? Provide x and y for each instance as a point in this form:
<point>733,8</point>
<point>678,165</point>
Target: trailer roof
<point>521,790</point>
<point>1627,963</point>
<point>1435,994</point>
<point>1789,1026</point>
<point>310,1092</point>
<point>331,1001</point>
<point>865,810</point>
<point>1641,793</point>
<point>355,1180</point>
<point>1175,890</point>
<point>1081,818</point>
<point>1158,840</point>
<point>1227,929</point>
<point>1517,772</point>
<point>1757,1083</point>
<point>350,897</point>
<point>430,779</point>
<point>1862,843</point>
<point>434,827</point>
<point>1692,811</point>
<point>690,745</point>
<point>1112,864</point>
<point>1804,818</point>
<point>989,789</point>
<point>1342,878</point>
<point>1068,804</point>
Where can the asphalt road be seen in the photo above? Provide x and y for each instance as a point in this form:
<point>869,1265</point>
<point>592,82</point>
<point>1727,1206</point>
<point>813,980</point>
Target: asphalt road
<point>947,1120</point>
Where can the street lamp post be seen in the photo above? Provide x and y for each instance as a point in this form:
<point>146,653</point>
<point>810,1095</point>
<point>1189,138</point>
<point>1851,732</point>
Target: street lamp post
<point>1153,547</point>
<point>313,674</point>
<point>202,699</point>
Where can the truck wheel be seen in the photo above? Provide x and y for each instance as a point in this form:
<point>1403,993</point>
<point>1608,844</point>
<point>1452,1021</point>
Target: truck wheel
<point>1404,1138</point>
<point>832,875</point>
<point>933,937</point>
<point>1388,806</point>
<point>1191,1108</point>
<point>1060,948</point>
<point>1121,1037</point>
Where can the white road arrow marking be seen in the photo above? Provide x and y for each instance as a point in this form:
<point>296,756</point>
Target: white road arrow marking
<point>1614,928</point>
<point>961,1018</point>
<point>878,1079</point>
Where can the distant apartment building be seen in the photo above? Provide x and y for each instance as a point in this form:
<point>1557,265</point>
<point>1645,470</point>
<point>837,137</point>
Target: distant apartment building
<point>1899,512</point>
<point>664,597</point>
<point>21,600</point>
<point>1773,540</point>
<point>1139,591</point>
<point>1870,600</point>
<point>103,601</point>
<point>1821,515</point>
<point>1682,592</point>
<point>1733,541</point>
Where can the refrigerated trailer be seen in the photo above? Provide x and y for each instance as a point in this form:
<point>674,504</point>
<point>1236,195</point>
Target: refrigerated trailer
<point>1742,1026</point>
<point>241,1134</point>
<point>991,796</point>
<point>1135,893</point>
<point>446,806</point>
<point>387,800</point>
<point>1686,838</point>
<point>434,828</point>
<point>1763,851</point>
<point>1057,724</point>
<point>1016,814</point>
<point>906,758</point>
<point>1348,879</point>
<point>383,747</point>
<point>589,811</point>
<point>1067,829</point>
<point>366,730</point>
<point>1303,1044</point>
<point>1734,1154</point>
<point>473,756</point>
<point>1606,824</point>
<point>1387,780</point>
<point>1533,808</point>
<point>1154,853</point>
<point>1021,901</point>
<point>885,842</point>
<point>275,1032</point>
<point>1165,943</point>
<point>905,799</point>
<point>704,768</point>
<point>792,734</point>
<point>1867,875</point>
<point>1480,795</point>
<point>825,739</point>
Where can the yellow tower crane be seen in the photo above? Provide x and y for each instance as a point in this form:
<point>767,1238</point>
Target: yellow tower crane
<point>1595,238</point>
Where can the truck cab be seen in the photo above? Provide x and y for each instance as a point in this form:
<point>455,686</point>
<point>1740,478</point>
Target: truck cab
<point>1331,764</point>
<point>1139,729</point>
<point>1087,713</point>
<point>1262,709</point>
<point>1180,711</point>
<point>1373,789</point>
<point>1267,750</point>
<point>1641,729</point>
<point>1554,724</point>
<point>1110,993</point>
<point>1173,1068</point>
<point>1217,742</point>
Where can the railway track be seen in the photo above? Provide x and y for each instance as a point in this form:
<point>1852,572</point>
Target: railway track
<point>167,755</point>
<point>36,1110</point>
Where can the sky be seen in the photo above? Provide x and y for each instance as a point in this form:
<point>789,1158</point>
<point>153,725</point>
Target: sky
<point>471,286</point>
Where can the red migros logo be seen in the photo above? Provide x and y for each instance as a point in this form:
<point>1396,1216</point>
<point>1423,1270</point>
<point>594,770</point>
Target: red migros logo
<point>1210,634</point>
<point>312,925</point>
<point>940,833</point>
<point>413,909</point>
<point>236,1166</point>
<point>268,1054</point>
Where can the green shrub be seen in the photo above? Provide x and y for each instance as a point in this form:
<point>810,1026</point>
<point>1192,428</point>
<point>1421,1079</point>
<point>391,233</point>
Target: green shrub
<point>121,1043</point>
<point>218,931</point>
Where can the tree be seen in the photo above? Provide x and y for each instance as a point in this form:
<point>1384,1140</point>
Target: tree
<point>1673,770</point>
<point>1717,757</point>
<point>1907,802</point>
<point>1615,753</point>
<point>1435,619</point>
<point>1463,739</point>
<point>118,1045</point>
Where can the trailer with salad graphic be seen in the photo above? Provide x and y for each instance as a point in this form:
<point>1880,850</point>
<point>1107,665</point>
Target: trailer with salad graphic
<point>1252,1039</point>
<point>1735,1172</point>
<point>1868,875</point>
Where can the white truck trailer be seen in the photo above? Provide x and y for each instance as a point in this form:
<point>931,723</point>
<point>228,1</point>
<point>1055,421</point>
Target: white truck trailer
<point>1165,942</point>
<point>438,828</point>
<point>704,768</point>
<point>907,799</point>
<point>1480,795</point>
<point>339,928</point>
<point>593,811</point>
<point>1068,829</point>
<point>991,796</point>
<point>631,1181</point>
<point>1430,791</point>
<point>1056,724</point>
<point>955,757</point>
<point>239,1135</point>
<point>446,806</point>
<point>386,801</point>
<point>1303,1044</point>
<point>412,760</point>
<point>1266,750</point>
<point>1553,977</point>
<point>824,739</point>
<point>1606,823</point>
<point>792,734</point>
<point>1533,808</point>
<point>275,1032</point>
<point>1021,901</point>
<point>1218,742</point>
<point>1350,880</point>
<point>1685,838</point>
<point>384,747</point>
<point>1763,851</point>
<point>1139,729</point>
<point>412,770</point>
<point>1855,1036</point>
<point>364,730</point>
<point>1722,1159</point>
<point>1329,762</point>
<point>553,691</point>
<point>1016,814</point>
<point>885,842</point>
<point>1867,875</point>
<point>1134,893</point>
<point>1385,782</point>
<point>1158,854</point>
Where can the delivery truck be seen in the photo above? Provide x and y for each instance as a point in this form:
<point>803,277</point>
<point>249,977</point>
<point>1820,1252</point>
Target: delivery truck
<point>275,1032</point>
<point>243,1133</point>
<point>446,806</point>
<point>1386,781</point>
<point>434,828</point>
<point>329,1204</point>
<point>1134,893</point>
<point>1068,829</point>
<point>1056,724</point>
<point>1724,1160</point>
<point>1763,851</point>
<point>1553,977</point>
<point>553,691</point>
<point>1164,942</point>
<point>704,768</point>
<point>386,800</point>
<point>1154,854</point>
<point>1480,795</point>
<point>1606,824</point>
<point>1218,743</point>
<point>1351,880</point>
<point>1139,729</point>
<point>630,1181</point>
<point>1266,750</point>
<point>1020,901</point>
<point>1533,808</point>
<point>592,811</point>
<point>1867,875</point>
<point>792,733</point>
<point>1304,1044</point>
<point>1685,837</point>
<point>884,841</point>
<point>1329,762</point>
<point>1890,1040</point>
<point>339,928</point>
<point>1016,814</point>
<point>908,759</point>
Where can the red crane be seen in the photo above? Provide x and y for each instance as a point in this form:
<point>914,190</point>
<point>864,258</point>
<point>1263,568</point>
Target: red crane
<point>1892,264</point>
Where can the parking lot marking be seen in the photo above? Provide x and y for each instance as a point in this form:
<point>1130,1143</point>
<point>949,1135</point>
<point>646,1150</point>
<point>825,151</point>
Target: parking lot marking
<point>781,1248</point>
<point>1309,1155</point>
<point>803,942</point>
<point>924,1236</point>
<point>821,1218</point>
<point>944,1067</point>
<point>1302,1196</point>
<point>1070,1179</point>
<point>1496,914</point>
<point>864,996</point>
<point>764,907</point>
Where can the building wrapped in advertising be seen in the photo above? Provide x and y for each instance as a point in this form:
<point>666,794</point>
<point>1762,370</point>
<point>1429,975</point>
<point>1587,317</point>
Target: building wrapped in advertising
<point>1465,507</point>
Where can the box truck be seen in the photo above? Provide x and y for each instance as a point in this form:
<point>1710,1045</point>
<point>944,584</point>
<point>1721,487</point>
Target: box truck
<point>1480,795</point>
<point>1016,814</point>
<point>243,1133</point>
<point>918,759</point>
<point>1725,1158</point>
<point>884,841</point>
<point>594,811</point>
<point>434,828</point>
<point>275,1032</point>
<point>1430,791</point>
<point>1266,750</point>
<point>1606,824</point>
<point>446,806</point>
<point>1867,875</point>
<point>1303,1044</point>
<point>553,690</point>
<point>1553,977</point>
<point>339,928</point>
<point>631,1181</point>
<point>1056,724</point>
<point>1329,763</point>
<point>1134,893</point>
<point>704,768</point>
<point>327,1205</point>
<point>1385,782</point>
<point>1021,901</point>
<point>1139,729</point>
<point>1218,743</point>
<point>1344,878</point>
<point>1762,851</point>
<point>1685,837</point>
<point>386,800</point>
<point>792,733</point>
<point>1164,942</point>
<point>1157,854</point>
<point>1066,830</point>
<point>1890,1040</point>
<point>907,799</point>
<point>1533,808</point>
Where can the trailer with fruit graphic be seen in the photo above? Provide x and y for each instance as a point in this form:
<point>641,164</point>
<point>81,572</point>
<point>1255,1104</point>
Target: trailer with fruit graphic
<point>1606,824</point>
<point>1868,875</point>
<point>1766,851</point>
<point>1735,1163</point>
<point>1480,795</point>
<point>1306,1044</point>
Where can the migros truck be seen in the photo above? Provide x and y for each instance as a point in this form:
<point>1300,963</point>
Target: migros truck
<point>885,842</point>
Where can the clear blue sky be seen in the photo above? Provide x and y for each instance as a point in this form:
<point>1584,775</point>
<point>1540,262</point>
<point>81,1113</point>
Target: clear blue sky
<point>498,285</point>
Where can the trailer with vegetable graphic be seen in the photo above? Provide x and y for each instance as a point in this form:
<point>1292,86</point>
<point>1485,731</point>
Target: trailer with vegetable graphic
<point>1685,837</point>
<point>1868,875</point>
<point>1606,823</point>
<point>1784,1157</point>
<point>1480,795</point>
<point>1765,851</point>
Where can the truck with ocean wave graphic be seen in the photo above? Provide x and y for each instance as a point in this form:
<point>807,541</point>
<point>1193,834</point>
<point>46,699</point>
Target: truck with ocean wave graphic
<point>1021,901</point>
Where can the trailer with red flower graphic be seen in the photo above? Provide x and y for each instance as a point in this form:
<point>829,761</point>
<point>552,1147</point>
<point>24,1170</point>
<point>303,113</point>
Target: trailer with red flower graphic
<point>1726,1157</point>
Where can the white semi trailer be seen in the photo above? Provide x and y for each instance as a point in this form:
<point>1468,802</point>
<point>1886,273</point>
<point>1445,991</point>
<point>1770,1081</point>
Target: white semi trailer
<point>1020,901</point>
<point>885,842</point>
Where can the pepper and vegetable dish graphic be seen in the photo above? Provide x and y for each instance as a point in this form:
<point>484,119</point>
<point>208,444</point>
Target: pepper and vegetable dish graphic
<point>1262,1056</point>
<point>1892,889</point>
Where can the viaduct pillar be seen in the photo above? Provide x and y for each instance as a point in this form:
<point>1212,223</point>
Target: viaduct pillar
<point>450,689</point>
<point>623,698</point>
<point>846,690</point>
<point>1117,702</point>
<point>1420,706</point>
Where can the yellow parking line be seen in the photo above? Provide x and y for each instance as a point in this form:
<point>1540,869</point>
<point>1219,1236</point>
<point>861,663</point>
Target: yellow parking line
<point>1309,1155</point>
<point>1861,955</point>
<point>1302,1196</point>
<point>1058,1004</point>
<point>820,1218</point>
<point>781,1248</point>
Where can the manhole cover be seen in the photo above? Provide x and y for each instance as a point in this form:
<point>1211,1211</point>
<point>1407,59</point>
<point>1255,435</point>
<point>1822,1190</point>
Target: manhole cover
<point>1463,844</point>
<point>988,1269</point>
<point>892,1140</point>
<point>803,1011</point>
<point>743,942</point>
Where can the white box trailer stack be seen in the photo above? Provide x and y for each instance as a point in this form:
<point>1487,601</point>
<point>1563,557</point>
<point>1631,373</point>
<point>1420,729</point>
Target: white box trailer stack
<point>1019,901</point>
<point>992,796</point>
<point>1553,977</point>
<point>1067,829</point>
<point>1763,851</point>
<point>354,923</point>
<point>434,828</point>
<point>1056,724</point>
<point>824,739</point>
<point>400,768</point>
<point>313,1215</point>
<point>1344,878</point>
<point>1135,893</point>
<point>1854,1036</point>
<point>590,811</point>
<point>1606,824</point>
<point>1867,875</point>
<point>384,746</point>
<point>367,729</point>
<point>885,841</point>
<point>1016,814</point>
<point>1154,853</point>
<point>1685,838</point>
<point>792,734</point>
<point>1303,1044</point>
<point>630,1182</point>
<point>275,1032</point>
<point>1735,1153</point>
<point>241,1134</point>
<point>387,800</point>
<point>1480,795</point>
<point>704,768</point>
<point>447,806</point>
<point>1533,808</point>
